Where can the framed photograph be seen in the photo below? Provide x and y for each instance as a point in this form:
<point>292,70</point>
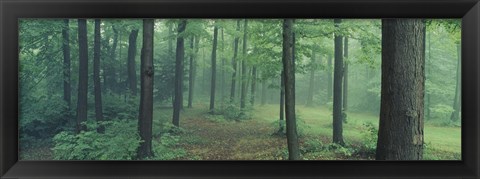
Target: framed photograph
<point>239,89</point>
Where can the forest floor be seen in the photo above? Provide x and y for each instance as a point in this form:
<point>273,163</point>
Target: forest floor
<point>205,136</point>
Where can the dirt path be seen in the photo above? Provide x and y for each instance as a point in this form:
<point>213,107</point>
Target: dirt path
<point>231,140</point>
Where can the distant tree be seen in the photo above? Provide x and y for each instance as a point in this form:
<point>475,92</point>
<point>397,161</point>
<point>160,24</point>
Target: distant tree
<point>253,88</point>
<point>146,92</point>
<point>288,67</point>
<point>191,71</point>
<point>132,51</point>
<point>243,92</point>
<point>456,101</point>
<point>82,75</point>
<point>234,64</point>
<point>110,70</point>
<point>329,78</point>
<point>180,53</point>
<point>67,92</point>
<point>345,75</point>
<point>337,87</point>
<point>400,135</point>
<point>96,76</point>
<point>281,122</point>
<point>312,80</point>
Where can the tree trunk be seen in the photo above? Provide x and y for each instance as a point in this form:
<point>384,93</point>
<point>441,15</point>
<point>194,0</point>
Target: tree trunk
<point>67,94</point>
<point>82,75</point>
<point>329,78</point>
<point>243,93</point>
<point>456,101</point>
<point>112,72</point>
<point>281,122</point>
<point>264,93</point>
<point>345,76</point>
<point>146,91</point>
<point>289,66</point>
<point>400,136</point>
<point>132,52</point>
<point>427,75</point>
<point>234,65</point>
<point>179,57</point>
<point>337,88</point>
<point>254,85</point>
<point>96,76</point>
<point>222,80</point>
<point>214,70</point>
<point>190,73</point>
<point>312,80</point>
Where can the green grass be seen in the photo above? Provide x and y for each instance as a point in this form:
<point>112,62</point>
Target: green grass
<point>442,142</point>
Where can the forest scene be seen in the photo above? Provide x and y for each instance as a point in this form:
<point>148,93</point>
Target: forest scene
<point>239,89</point>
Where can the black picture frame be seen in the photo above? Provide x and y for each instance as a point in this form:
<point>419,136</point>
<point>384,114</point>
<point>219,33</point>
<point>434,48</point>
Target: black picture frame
<point>12,10</point>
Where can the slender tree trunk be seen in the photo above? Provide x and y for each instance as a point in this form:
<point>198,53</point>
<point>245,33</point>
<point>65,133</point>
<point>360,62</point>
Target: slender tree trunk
<point>67,92</point>
<point>400,136</point>
<point>234,65</point>
<point>132,52</point>
<point>427,75</point>
<point>281,122</point>
<point>289,66</point>
<point>243,92</point>
<point>190,73</point>
<point>222,80</point>
<point>112,75</point>
<point>345,76</point>
<point>146,92</point>
<point>254,85</point>
<point>312,80</point>
<point>82,75</point>
<point>337,88</point>
<point>456,101</point>
<point>96,76</point>
<point>329,78</point>
<point>180,53</point>
<point>264,93</point>
<point>214,70</point>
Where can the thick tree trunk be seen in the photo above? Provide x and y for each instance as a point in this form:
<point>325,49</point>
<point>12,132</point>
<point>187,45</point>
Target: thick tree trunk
<point>456,101</point>
<point>312,81</point>
<point>96,76</point>
<point>234,65</point>
<point>400,136</point>
<point>289,66</point>
<point>337,88</point>
<point>345,76</point>
<point>146,91</point>
<point>132,52</point>
<point>82,75</point>
<point>427,76</point>
<point>180,53</point>
<point>67,92</point>
<point>214,70</point>
<point>243,93</point>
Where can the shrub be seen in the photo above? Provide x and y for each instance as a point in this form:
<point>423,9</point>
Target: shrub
<point>233,112</point>
<point>168,148</point>
<point>119,142</point>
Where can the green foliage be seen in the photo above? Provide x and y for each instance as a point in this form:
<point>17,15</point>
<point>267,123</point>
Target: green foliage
<point>119,142</point>
<point>168,148</point>
<point>441,112</point>
<point>231,111</point>
<point>120,107</point>
<point>369,139</point>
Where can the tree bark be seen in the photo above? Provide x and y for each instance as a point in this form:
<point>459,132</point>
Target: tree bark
<point>222,80</point>
<point>214,70</point>
<point>288,67</point>
<point>146,91</point>
<point>234,65</point>
<point>427,75</point>
<point>337,87</point>
<point>456,101</point>
<point>179,57</point>
<point>400,136</point>
<point>82,75</point>
<point>132,52</point>
<point>67,92</point>
<point>281,122</point>
<point>96,76</point>
<point>243,93</point>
